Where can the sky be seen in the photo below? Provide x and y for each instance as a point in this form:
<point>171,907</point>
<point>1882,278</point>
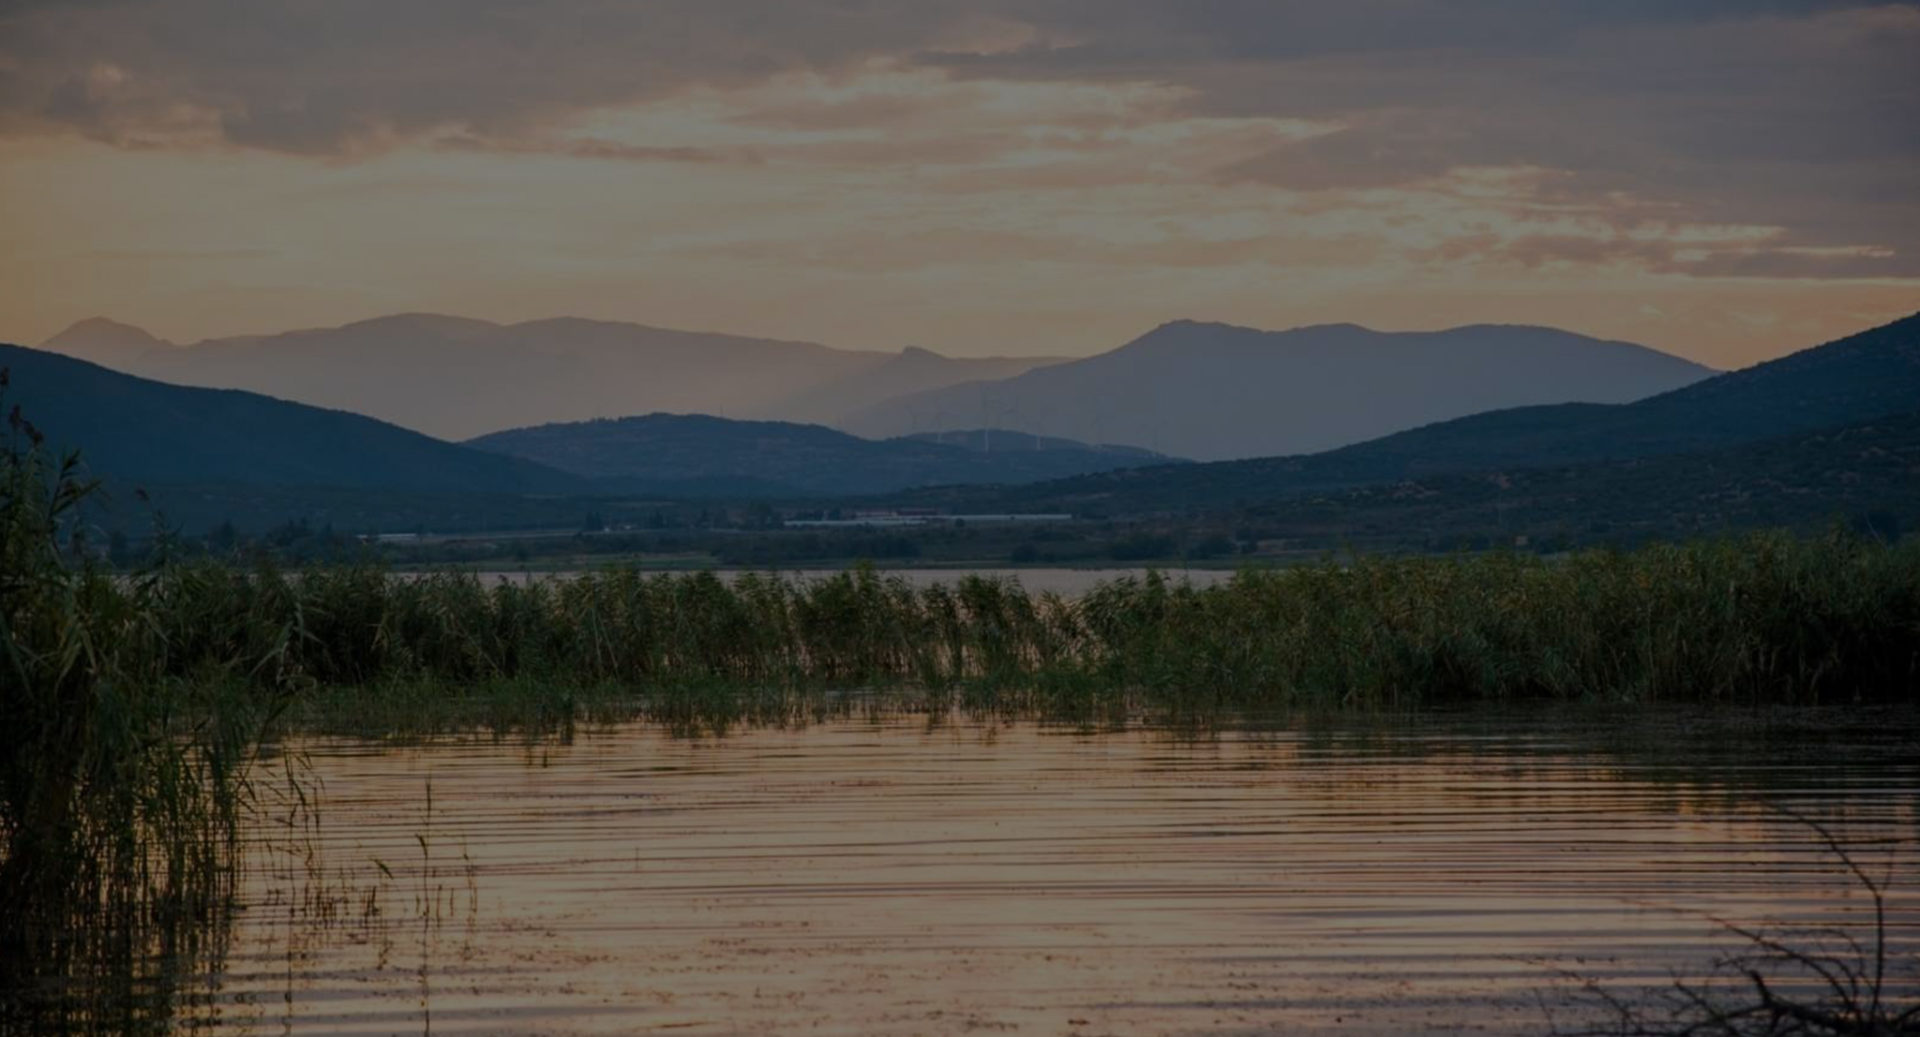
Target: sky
<point>1727,181</point>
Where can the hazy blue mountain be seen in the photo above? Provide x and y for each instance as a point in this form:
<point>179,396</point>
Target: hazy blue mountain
<point>1008,440</point>
<point>913,370</point>
<point>1215,391</point>
<point>1860,378</point>
<point>138,431</point>
<point>455,377</point>
<point>772,458</point>
<point>108,343</point>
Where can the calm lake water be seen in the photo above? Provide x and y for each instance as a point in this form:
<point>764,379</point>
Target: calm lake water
<point>899,877</point>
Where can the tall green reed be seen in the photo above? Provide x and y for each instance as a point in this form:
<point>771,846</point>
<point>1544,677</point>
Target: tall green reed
<point>123,783</point>
<point>1754,619</point>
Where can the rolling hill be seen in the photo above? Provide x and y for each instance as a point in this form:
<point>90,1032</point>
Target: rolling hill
<point>1215,391</point>
<point>136,431</point>
<point>1861,378</point>
<point>1867,474</point>
<point>455,378</point>
<point>708,455</point>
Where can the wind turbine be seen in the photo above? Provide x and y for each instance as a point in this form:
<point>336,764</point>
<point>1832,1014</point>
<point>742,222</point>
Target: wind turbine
<point>991,411</point>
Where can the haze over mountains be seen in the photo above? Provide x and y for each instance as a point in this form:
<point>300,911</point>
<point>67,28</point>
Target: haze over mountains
<point>139,431</point>
<point>136,431</point>
<point>1862,378</point>
<point>455,378</point>
<point>108,343</point>
<point>1216,391</point>
<point>1846,404</point>
<point>1205,391</point>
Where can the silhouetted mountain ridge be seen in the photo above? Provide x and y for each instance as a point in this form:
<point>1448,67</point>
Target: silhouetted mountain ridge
<point>1866,475</point>
<point>1860,378</point>
<point>137,431</point>
<point>106,342</point>
<point>1216,391</point>
<point>767,457</point>
<point>457,377</point>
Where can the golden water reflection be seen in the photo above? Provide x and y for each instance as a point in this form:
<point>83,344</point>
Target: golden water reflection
<point>892,877</point>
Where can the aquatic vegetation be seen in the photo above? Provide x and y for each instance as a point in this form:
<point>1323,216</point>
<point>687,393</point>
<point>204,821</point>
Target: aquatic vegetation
<point>1759,619</point>
<point>122,785</point>
<point>1832,982</point>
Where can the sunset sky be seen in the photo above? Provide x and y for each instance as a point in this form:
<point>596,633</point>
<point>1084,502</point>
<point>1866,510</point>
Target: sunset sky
<point>1724,180</point>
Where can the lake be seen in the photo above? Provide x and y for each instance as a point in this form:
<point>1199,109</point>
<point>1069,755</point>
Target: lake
<point>907,876</point>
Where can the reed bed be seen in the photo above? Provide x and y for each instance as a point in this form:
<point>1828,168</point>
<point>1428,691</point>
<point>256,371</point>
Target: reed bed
<point>123,784</point>
<point>1758,619</point>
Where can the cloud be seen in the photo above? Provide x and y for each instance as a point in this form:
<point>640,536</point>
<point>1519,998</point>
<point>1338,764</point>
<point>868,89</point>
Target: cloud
<point>343,76</point>
<point>591,147</point>
<point>1799,117</point>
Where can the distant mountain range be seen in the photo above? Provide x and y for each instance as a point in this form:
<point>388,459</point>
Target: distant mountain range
<point>108,343</point>
<point>1861,378</point>
<point>1215,391</point>
<point>998,439</point>
<point>455,378</point>
<point>765,458</point>
<point>137,431</point>
<point>1827,428</point>
<point>1206,391</point>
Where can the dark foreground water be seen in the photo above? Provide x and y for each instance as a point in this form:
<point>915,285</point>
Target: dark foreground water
<point>897,877</point>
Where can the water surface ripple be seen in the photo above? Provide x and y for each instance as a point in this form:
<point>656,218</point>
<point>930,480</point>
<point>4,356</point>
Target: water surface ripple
<point>891,877</point>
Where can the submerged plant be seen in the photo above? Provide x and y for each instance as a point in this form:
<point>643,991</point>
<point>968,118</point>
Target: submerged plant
<point>1835,982</point>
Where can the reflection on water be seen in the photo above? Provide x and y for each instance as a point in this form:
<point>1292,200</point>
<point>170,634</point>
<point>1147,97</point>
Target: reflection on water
<point>904,876</point>
<point>899,878</point>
